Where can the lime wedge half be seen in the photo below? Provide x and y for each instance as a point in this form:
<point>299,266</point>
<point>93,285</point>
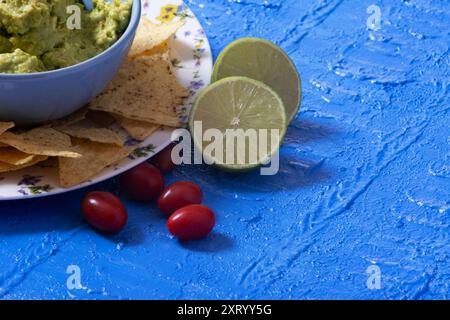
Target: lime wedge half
<point>264,61</point>
<point>238,123</point>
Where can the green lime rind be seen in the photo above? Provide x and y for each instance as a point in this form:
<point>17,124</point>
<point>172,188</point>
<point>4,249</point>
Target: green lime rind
<point>262,60</point>
<point>259,107</point>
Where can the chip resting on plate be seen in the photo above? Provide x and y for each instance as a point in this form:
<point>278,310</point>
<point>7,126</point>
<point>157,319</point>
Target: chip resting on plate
<point>71,118</point>
<point>4,126</point>
<point>94,158</point>
<point>145,89</point>
<point>15,157</point>
<point>150,35</point>
<point>6,167</point>
<point>41,141</point>
<point>138,130</point>
<point>86,129</point>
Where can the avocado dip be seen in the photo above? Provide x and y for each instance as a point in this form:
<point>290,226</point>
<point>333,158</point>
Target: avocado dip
<point>35,35</point>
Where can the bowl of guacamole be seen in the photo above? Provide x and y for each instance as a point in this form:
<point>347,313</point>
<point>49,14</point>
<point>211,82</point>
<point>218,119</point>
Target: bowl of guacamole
<point>56,56</point>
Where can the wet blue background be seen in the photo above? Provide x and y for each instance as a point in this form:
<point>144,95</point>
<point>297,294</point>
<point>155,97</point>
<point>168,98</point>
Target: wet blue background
<point>364,177</point>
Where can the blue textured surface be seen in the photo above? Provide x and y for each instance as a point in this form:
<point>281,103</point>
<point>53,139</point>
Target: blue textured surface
<point>365,177</point>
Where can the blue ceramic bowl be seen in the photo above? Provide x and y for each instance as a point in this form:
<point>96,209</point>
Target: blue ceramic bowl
<point>39,97</point>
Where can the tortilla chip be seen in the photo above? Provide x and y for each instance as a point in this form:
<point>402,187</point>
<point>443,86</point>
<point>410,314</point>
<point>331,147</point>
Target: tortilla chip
<point>6,167</point>
<point>145,89</point>
<point>100,118</point>
<point>95,157</point>
<point>138,130</point>
<point>41,141</point>
<point>72,118</point>
<point>150,35</point>
<point>4,126</point>
<point>162,49</point>
<point>86,129</point>
<point>15,157</point>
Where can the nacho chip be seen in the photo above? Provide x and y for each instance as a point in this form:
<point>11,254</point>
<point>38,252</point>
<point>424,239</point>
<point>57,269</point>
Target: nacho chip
<point>150,35</point>
<point>162,49</point>
<point>71,118</point>
<point>6,167</point>
<point>101,118</point>
<point>41,141</point>
<point>15,157</point>
<point>4,126</point>
<point>145,89</point>
<point>95,157</point>
<point>138,130</point>
<point>88,130</point>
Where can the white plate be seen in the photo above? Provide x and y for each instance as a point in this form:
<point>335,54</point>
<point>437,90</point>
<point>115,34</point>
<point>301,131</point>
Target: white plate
<point>192,62</point>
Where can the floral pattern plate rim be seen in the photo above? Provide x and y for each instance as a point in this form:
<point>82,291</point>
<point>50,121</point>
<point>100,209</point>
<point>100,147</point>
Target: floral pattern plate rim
<point>192,63</point>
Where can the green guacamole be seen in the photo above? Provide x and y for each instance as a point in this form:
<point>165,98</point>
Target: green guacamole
<point>39,35</point>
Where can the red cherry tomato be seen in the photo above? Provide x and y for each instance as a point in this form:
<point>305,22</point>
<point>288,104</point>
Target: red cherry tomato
<point>143,183</point>
<point>192,222</point>
<point>104,211</point>
<point>178,195</point>
<point>163,160</point>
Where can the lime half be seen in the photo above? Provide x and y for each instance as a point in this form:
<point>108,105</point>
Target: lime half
<point>238,123</point>
<point>264,61</point>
